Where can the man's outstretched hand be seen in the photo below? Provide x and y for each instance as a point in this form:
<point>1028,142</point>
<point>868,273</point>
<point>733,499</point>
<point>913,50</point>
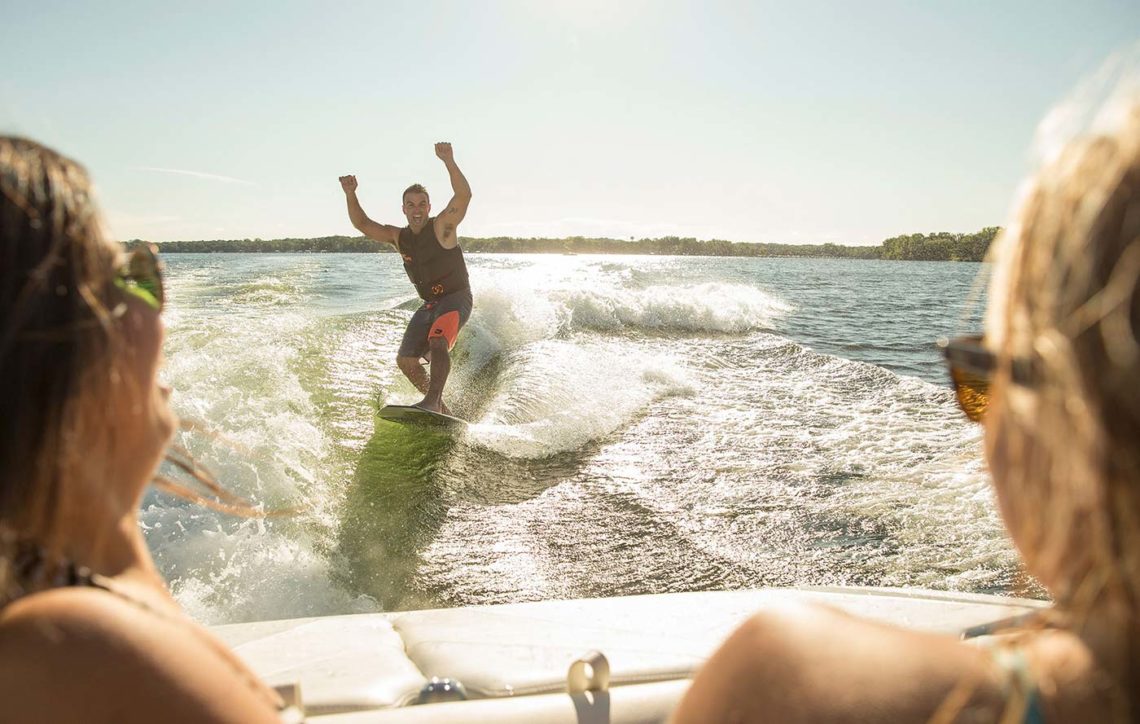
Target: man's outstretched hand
<point>443,150</point>
<point>348,183</point>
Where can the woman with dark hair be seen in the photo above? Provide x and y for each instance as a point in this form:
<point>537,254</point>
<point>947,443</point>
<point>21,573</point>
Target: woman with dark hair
<point>88,629</point>
<point>1055,381</point>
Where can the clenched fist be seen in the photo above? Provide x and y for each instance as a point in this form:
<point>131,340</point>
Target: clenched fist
<point>348,183</point>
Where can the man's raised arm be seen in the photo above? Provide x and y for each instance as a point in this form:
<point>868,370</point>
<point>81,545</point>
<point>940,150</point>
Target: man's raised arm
<point>366,226</point>
<point>448,221</point>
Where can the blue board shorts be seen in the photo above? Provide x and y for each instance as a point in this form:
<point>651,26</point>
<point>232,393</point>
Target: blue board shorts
<point>442,317</point>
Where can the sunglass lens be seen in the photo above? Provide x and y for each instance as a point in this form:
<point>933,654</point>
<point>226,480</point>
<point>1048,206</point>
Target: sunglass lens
<point>153,286</point>
<point>146,271</point>
<point>973,393</point>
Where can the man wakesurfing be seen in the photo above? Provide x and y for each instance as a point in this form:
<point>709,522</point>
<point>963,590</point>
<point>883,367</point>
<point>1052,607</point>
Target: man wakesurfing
<point>434,263</point>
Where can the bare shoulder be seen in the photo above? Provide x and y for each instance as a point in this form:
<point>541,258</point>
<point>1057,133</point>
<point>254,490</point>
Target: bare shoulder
<point>392,234</point>
<point>385,233</point>
<point>815,664</point>
<point>81,654</point>
<point>1072,682</point>
<point>446,228</point>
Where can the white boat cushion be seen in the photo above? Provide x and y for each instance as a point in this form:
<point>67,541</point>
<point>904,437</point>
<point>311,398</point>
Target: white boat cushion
<point>527,648</point>
<point>378,661</point>
<point>345,663</point>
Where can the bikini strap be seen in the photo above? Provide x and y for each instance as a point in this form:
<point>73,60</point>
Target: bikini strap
<point>1021,692</point>
<point>30,568</point>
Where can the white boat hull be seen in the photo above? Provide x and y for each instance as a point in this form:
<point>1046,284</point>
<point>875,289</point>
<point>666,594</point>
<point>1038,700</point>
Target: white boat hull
<point>513,659</point>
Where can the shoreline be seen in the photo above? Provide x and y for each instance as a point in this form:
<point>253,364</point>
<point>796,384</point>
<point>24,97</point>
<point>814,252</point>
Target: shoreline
<point>940,246</point>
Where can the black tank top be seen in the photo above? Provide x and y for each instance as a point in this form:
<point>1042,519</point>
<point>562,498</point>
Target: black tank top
<point>434,270</point>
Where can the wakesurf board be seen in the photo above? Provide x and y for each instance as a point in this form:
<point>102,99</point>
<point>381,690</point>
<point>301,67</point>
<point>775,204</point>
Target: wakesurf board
<point>412,415</point>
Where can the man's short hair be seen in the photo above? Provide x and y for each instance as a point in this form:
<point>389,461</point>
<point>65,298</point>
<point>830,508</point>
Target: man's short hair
<point>415,189</point>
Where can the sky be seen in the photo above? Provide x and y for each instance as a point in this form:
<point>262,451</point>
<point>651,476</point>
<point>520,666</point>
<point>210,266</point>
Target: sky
<point>786,122</point>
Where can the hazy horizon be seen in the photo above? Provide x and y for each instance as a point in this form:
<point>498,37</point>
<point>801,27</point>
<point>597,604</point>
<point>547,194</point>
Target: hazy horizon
<point>358,235</point>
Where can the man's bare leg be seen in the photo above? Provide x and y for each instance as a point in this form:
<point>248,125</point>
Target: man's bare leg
<point>414,371</point>
<point>440,369</point>
<point>418,376</point>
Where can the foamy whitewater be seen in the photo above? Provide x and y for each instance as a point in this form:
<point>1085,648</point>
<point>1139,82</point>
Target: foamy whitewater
<point>639,424</point>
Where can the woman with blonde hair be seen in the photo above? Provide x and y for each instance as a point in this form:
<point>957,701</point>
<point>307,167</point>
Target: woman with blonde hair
<point>88,629</point>
<point>1055,382</point>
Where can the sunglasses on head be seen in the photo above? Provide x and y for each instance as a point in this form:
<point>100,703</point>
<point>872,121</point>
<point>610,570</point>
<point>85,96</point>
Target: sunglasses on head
<point>141,276</point>
<point>971,368</point>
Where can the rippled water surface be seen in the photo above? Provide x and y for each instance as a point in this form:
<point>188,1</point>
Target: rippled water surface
<point>639,424</point>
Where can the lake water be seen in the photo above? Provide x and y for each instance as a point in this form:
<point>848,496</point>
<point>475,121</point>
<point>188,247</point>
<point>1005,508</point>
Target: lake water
<point>640,424</point>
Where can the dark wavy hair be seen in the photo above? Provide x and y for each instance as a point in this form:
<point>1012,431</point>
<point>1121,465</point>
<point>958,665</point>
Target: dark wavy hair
<point>58,348</point>
<point>56,331</point>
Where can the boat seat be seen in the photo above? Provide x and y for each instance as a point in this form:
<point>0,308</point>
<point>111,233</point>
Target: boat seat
<point>342,663</point>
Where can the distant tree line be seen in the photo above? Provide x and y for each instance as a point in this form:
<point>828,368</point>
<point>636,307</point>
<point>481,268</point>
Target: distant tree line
<point>337,244</point>
<point>941,246</point>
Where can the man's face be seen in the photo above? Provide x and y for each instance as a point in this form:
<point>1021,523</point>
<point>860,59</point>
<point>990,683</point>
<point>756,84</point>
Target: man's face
<point>416,208</point>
